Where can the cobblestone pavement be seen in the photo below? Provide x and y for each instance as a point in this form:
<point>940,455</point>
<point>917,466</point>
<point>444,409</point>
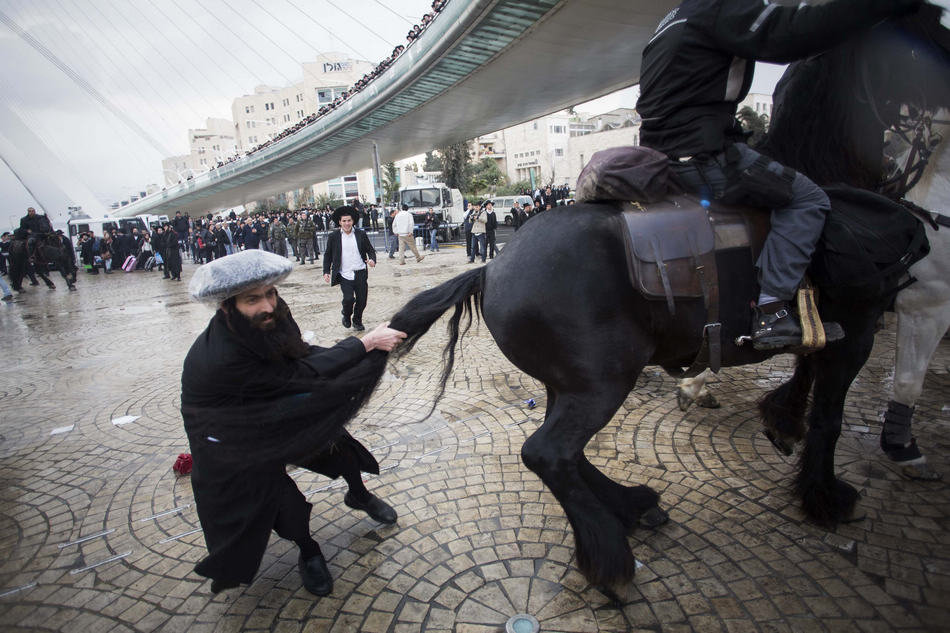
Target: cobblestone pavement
<point>97,533</point>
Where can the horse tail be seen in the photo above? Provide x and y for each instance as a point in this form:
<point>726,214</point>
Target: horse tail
<point>416,317</point>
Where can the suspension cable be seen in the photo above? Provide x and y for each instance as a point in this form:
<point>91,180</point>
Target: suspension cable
<point>82,83</point>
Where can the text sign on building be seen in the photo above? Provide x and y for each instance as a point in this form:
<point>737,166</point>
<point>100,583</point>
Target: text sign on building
<point>337,67</point>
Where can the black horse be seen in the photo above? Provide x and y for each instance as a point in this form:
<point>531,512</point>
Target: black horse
<point>559,303</point>
<point>46,249</point>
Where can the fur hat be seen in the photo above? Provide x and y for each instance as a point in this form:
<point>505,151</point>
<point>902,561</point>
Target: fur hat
<point>346,210</point>
<point>230,276</point>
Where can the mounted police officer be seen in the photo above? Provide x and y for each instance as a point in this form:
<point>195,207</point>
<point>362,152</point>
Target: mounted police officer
<point>695,71</point>
<point>33,226</point>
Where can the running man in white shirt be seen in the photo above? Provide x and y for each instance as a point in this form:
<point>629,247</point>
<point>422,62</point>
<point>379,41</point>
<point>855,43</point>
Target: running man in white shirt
<point>349,252</point>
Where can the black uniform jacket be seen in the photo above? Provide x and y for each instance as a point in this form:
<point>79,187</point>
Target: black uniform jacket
<point>247,418</point>
<point>699,64</point>
<point>334,253</point>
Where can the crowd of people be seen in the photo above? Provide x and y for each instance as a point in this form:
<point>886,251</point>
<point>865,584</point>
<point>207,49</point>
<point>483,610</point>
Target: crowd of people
<point>204,239</point>
<point>547,197</point>
<point>368,78</point>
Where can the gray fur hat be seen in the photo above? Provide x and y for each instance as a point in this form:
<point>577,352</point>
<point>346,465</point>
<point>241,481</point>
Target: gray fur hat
<point>230,276</point>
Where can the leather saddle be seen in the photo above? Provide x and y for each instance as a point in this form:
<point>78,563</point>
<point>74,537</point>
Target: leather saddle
<point>671,249</point>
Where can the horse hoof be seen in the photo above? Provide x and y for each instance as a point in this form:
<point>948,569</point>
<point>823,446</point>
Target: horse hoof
<point>654,517</point>
<point>707,401</point>
<point>612,598</point>
<point>683,400</point>
<point>921,472</point>
<point>780,444</point>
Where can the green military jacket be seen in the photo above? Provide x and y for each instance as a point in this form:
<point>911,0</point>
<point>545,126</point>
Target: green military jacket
<point>306,229</point>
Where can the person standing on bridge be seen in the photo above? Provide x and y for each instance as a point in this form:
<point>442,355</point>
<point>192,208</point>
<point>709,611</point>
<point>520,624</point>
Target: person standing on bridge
<point>348,253</point>
<point>696,69</point>
<point>254,398</point>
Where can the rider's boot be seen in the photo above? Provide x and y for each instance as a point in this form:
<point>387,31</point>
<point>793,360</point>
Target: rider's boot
<point>774,326</point>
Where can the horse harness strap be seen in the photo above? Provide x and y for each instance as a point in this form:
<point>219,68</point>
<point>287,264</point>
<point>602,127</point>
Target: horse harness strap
<point>671,254</point>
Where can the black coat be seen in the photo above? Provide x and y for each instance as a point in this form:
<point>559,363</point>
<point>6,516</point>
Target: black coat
<point>247,417</point>
<point>334,254</point>
<point>699,64</point>
<point>170,252</point>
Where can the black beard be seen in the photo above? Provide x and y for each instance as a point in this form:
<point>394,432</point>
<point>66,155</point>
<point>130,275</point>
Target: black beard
<point>274,335</point>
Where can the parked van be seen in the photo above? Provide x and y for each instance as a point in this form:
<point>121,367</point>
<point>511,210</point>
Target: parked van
<point>504,204</point>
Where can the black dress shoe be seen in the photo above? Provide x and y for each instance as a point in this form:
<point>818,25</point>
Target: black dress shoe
<point>316,577</point>
<point>358,325</point>
<point>376,508</point>
<point>346,321</point>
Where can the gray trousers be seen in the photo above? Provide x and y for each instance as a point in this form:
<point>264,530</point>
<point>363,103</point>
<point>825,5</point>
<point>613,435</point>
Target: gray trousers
<point>796,227</point>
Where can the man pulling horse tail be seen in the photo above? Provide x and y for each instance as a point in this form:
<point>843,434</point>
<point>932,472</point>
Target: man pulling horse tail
<point>695,71</point>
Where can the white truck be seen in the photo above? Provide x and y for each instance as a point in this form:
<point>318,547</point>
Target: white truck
<point>447,204</point>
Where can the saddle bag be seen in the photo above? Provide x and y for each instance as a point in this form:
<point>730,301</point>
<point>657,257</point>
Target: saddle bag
<point>868,243</point>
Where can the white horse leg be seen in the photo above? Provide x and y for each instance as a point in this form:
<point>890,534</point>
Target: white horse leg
<point>923,316</point>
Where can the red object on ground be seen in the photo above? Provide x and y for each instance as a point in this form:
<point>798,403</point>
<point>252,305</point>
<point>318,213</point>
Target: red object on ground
<point>183,464</point>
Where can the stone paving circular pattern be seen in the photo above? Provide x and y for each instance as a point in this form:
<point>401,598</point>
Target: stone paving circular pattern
<point>98,534</point>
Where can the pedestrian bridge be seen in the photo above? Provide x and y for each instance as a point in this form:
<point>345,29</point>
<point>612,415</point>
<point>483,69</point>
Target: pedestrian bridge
<point>482,65</point>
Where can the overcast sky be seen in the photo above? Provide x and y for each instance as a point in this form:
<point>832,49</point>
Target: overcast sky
<point>167,65</point>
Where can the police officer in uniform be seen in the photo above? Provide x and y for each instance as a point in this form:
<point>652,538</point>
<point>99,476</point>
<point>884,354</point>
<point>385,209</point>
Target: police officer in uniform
<point>696,69</point>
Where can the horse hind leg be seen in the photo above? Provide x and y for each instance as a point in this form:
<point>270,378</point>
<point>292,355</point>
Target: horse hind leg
<point>555,453</point>
<point>696,390</point>
<point>634,506</point>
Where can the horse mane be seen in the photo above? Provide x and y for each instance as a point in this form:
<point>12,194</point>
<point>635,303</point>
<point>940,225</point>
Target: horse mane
<point>812,144</point>
<point>830,111</point>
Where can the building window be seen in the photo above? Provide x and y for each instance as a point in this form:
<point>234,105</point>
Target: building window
<point>299,98</point>
<point>286,118</point>
<point>249,124</point>
<point>558,151</point>
<point>535,125</point>
<point>286,102</point>
<point>558,129</point>
<point>299,114</point>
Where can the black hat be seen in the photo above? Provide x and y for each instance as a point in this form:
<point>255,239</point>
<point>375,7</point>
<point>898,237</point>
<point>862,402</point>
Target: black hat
<point>345,210</point>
